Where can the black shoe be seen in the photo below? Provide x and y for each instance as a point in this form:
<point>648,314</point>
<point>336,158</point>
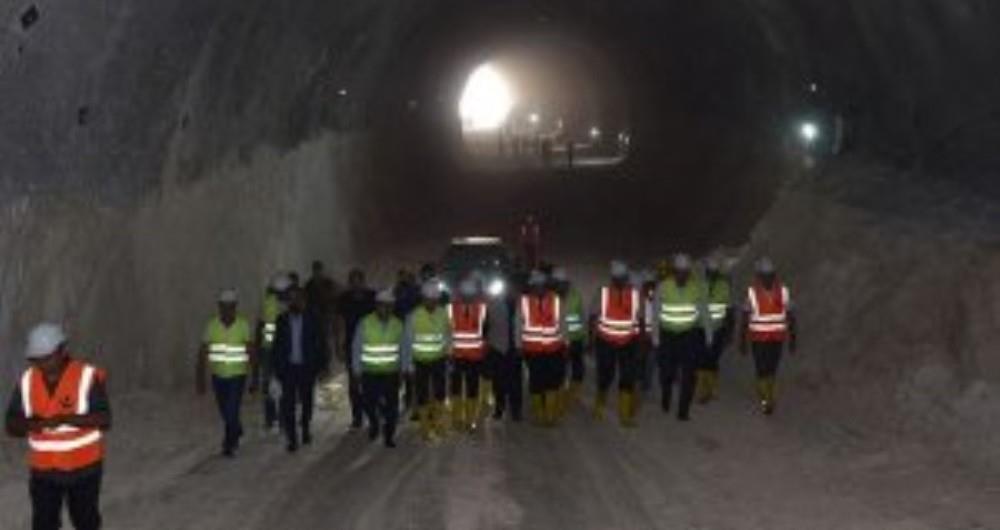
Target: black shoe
<point>292,447</point>
<point>390,443</point>
<point>498,413</point>
<point>665,404</point>
<point>306,438</point>
<point>373,433</point>
<point>356,424</point>
<point>683,417</point>
<point>414,417</point>
<point>228,452</point>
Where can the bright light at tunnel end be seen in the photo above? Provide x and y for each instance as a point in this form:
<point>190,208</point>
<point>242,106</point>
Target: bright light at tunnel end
<point>486,101</point>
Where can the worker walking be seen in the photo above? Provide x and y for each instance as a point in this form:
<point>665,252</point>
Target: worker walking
<point>227,346</point>
<point>60,404</point>
<point>540,335</point>
<point>300,354</point>
<point>352,306</point>
<point>506,359</point>
<point>768,324</point>
<point>428,338</point>
<point>720,308</point>
<point>681,336</point>
<point>468,320</point>
<point>271,308</point>
<point>576,331</point>
<point>380,356</point>
<point>617,310</point>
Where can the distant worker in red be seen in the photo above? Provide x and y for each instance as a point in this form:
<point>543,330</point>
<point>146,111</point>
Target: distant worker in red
<point>61,405</point>
<point>617,316</point>
<point>769,324</point>
<point>531,239</point>
<point>468,320</point>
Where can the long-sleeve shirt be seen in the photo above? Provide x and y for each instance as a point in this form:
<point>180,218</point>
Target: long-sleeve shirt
<point>498,325</point>
<point>519,323</point>
<point>358,345</point>
<point>704,316</point>
<point>408,335</point>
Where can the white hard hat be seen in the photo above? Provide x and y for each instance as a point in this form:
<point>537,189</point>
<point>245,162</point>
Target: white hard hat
<point>619,269</point>
<point>431,289</point>
<point>765,266</point>
<point>280,282</point>
<point>468,288</point>
<point>682,262</point>
<point>385,296</point>
<point>44,340</point>
<point>537,278</point>
<point>713,264</point>
<point>228,296</point>
<point>560,275</point>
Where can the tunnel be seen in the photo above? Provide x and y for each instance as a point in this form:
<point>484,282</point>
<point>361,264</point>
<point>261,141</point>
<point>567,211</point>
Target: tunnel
<point>155,152</point>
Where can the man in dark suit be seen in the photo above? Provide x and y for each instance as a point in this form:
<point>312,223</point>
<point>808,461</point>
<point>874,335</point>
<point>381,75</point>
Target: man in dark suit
<point>299,356</point>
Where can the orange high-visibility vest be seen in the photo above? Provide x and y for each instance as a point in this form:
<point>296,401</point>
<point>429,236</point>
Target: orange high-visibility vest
<point>540,332</point>
<point>768,313</point>
<point>618,324</point>
<point>63,448</point>
<point>468,321</point>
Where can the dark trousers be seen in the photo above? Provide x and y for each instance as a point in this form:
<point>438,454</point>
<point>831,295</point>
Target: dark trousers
<point>467,372</point>
<point>612,358</point>
<point>508,384</point>
<point>298,387</point>
<point>381,394</point>
<point>82,496</point>
<point>646,365</point>
<point>710,361</point>
<point>229,397</point>
<point>266,373</point>
<point>354,397</point>
<point>545,373</point>
<point>577,368</point>
<point>408,393</point>
<point>429,379</point>
<point>678,357</point>
<point>767,357</point>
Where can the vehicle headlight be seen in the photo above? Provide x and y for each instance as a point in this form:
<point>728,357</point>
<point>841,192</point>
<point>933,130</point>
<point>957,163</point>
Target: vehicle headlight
<point>496,287</point>
<point>443,285</point>
<point>809,131</point>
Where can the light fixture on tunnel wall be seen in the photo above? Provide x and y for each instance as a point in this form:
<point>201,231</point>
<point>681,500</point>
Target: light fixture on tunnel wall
<point>534,118</point>
<point>809,131</point>
<point>486,101</point>
<point>595,133</point>
<point>342,92</point>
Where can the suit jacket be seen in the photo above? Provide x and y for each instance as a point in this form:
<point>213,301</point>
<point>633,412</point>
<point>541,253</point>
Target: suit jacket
<point>314,348</point>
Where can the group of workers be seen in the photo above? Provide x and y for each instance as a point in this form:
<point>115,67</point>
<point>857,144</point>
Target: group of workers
<point>452,352</point>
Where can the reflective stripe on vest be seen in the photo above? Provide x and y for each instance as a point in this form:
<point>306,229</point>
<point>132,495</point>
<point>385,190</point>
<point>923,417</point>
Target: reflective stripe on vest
<point>768,313</point>
<point>65,447</point>
<point>575,320</point>
<point>228,353</point>
<point>618,324</point>
<point>540,332</point>
<point>268,331</point>
<point>468,334</point>
<point>678,311</point>
<point>429,334</point>
<point>380,348</point>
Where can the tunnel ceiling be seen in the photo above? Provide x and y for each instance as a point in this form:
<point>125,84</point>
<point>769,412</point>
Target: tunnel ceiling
<point>100,95</point>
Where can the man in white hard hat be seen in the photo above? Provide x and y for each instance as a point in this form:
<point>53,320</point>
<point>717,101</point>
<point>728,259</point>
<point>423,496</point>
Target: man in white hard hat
<point>682,333</point>
<point>227,347</point>
<point>65,433</point>
<point>427,337</point>
<point>576,332</point>
<point>380,357</point>
<point>768,324</point>
<point>541,338</point>
<point>272,306</point>
<point>467,312</point>
<point>720,308</point>
<point>617,317</point>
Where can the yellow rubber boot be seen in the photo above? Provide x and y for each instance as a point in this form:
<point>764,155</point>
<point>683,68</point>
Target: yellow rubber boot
<point>440,418</point>
<point>599,404</point>
<point>551,407</point>
<point>458,417</point>
<point>426,427</point>
<point>538,408</point>
<point>574,391</point>
<point>562,401</point>
<point>471,414</point>
<point>485,396</point>
<point>703,386</point>
<point>772,387</point>
<point>626,408</point>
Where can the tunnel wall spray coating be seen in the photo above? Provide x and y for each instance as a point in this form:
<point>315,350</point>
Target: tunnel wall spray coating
<point>201,114</point>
